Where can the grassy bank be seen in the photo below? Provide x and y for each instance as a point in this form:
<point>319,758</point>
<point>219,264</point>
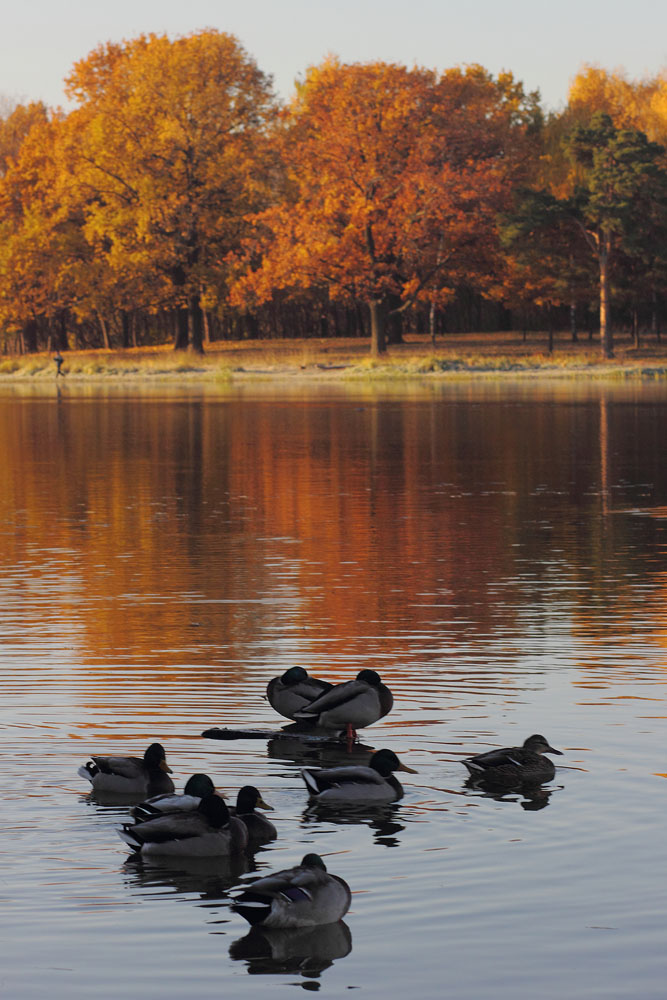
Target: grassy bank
<point>460,355</point>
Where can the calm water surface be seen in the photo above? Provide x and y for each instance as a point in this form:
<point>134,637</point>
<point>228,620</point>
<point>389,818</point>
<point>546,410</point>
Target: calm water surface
<point>496,552</point>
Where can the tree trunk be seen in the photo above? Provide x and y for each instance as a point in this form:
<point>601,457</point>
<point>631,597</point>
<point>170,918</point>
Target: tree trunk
<point>181,338</point>
<point>431,321</point>
<point>196,324</point>
<point>378,311</point>
<point>573,321</point>
<point>106,344</point>
<point>60,339</point>
<point>394,320</point>
<point>29,337</point>
<point>606,336</point>
<point>635,329</point>
<point>550,329</point>
<point>125,326</point>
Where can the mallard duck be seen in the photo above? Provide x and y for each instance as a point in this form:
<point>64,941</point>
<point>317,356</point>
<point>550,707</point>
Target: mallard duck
<point>294,690</point>
<point>130,775</point>
<point>260,829</point>
<point>196,787</point>
<point>356,784</point>
<point>514,765</point>
<point>351,705</point>
<point>303,896</point>
<point>207,831</point>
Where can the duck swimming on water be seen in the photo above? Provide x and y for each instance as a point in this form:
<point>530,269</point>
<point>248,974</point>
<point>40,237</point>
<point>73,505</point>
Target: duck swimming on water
<point>513,766</point>
<point>130,775</point>
<point>207,831</point>
<point>303,896</point>
<point>260,829</point>
<point>357,785</point>
<point>196,787</point>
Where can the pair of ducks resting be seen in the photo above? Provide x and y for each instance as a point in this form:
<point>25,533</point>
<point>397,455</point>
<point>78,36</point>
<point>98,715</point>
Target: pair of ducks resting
<point>348,706</point>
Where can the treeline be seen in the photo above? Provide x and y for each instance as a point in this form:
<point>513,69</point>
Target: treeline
<point>180,201</point>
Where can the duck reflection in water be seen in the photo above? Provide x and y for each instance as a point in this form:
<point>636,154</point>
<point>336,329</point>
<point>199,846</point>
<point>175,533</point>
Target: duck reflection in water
<point>210,878</point>
<point>530,797</point>
<point>320,754</point>
<point>383,819</point>
<point>304,950</point>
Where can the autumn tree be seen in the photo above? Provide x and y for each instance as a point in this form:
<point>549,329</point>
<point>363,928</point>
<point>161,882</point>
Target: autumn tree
<point>631,104</point>
<point>393,180</point>
<point>41,237</point>
<point>15,125</point>
<point>171,155</point>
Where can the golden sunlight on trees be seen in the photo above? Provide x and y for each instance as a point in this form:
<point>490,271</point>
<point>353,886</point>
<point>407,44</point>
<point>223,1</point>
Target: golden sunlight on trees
<point>178,201</point>
<point>171,155</point>
<point>394,177</point>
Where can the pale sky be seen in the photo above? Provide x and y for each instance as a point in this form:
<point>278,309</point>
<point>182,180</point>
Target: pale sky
<point>543,42</point>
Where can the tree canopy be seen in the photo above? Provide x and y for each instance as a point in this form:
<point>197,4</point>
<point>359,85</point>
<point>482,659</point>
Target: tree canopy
<point>179,199</point>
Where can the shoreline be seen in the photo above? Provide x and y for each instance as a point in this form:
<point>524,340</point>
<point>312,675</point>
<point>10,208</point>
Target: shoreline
<point>464,357</point>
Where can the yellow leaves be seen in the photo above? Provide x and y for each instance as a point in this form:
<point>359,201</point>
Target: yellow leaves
<point>639,104</point>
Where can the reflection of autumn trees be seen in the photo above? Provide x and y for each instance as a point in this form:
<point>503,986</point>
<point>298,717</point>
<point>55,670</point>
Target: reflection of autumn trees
<point>212,525</point>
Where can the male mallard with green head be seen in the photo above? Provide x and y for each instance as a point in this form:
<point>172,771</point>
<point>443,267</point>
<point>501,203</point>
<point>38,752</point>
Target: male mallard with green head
<point>130,775</point>
<point>357,785</point>
<point>204,832</point>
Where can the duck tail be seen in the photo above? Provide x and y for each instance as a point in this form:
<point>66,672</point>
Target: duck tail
<point>143,812</point>
<point>252,907</point>
<point>310,780</point>
<point>125,833</point>
<point>88,770</point>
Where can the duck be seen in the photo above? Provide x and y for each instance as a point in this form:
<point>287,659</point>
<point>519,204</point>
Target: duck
<point>303,896</point>
<point>351,705</point>
<point>130,775</point>
<point>294,690</point>
<point>358,785</point>
<point>204,832</point>
<point>511,766</point>
<point>196,787</point>
<point>260,829</point>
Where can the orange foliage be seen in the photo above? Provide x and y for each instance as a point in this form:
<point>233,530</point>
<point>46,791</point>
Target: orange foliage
<point>393,180</point>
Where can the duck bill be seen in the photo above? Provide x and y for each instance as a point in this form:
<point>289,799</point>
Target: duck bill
<point>552,750</point>
<point>410,770</point>
<point>264,805</point>
<point>165,767</point>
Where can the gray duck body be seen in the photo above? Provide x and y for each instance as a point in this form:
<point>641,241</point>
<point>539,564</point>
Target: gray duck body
<point>147,775</point>
<point>294,691</point>
<point>356,703</point>
<point>512,766</point>
<point>303,896</point>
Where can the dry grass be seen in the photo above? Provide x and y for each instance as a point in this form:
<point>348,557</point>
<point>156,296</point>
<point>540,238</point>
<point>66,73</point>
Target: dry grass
<point>455,355</point>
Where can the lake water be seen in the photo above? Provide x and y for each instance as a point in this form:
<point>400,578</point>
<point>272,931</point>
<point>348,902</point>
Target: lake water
<point>497,551</point>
